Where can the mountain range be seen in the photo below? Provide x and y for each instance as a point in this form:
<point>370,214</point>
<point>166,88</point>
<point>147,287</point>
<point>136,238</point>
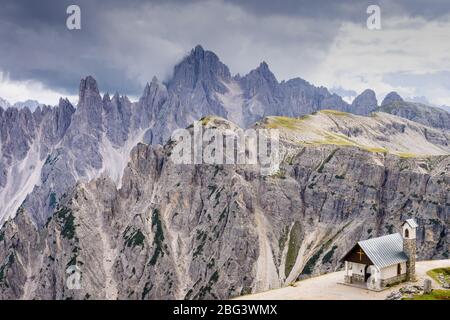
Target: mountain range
<point>94,186</point>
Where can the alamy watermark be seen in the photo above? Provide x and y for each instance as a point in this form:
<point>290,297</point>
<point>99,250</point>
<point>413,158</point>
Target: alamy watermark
<point>374,19</point>
<point>238,147</point>
<point>73,21</point>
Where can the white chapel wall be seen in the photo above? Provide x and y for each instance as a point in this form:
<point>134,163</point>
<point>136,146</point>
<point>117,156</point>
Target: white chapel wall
<point>391,271</point>
<point>358,268</point>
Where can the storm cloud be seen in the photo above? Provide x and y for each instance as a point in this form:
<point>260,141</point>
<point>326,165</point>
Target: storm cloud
<point>123,44</point>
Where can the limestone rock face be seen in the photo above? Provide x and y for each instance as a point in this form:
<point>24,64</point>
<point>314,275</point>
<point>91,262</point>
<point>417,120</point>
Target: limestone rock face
<point>218,231</point>
<point>26,140</point>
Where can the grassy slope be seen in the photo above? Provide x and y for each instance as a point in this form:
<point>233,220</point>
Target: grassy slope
<point>434,295</point>
<point>326,137</point>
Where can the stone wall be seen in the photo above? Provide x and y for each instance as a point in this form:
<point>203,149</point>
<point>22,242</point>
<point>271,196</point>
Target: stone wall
<point>357,278</point>
<point>396,279</point>
<point>409,246</point>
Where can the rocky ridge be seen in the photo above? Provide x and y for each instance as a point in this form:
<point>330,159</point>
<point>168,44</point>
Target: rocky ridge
<point>218,231</point>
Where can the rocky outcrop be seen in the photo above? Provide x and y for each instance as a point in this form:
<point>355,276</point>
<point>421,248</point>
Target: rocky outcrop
<point>365,103</point>
<point>218,231</point>
<point>27,139</point>
<point>391,98</point>
<point>429,116</point>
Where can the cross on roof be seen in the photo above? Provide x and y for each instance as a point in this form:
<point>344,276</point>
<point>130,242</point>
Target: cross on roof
<point>361,253</point>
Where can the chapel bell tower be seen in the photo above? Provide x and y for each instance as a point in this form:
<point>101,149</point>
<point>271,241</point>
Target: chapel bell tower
<point>409,247</point>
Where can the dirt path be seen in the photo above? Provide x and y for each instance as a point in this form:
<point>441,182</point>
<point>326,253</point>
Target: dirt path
<point>327,287</point>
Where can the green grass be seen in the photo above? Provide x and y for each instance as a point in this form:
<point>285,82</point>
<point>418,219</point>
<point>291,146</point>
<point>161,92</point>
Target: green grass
<point>303,124</point>
<point>406,155</point>
<point>375,149</point>
<point>294,247</point>
<point>284,122</point>
<point>335,112</point>
<point>280,174</point>
<point>205,120</point>
<point>434,273</point>
<point>336,139</point>
<point>434,295</point>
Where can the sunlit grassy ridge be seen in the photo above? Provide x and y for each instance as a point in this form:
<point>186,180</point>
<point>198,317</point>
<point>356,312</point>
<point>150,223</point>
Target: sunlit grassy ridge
<point>322,128</point>
<point>335,112</point>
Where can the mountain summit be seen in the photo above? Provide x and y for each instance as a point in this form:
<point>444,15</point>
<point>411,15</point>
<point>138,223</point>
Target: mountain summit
<point>365,103</point>
<point>390,98</point>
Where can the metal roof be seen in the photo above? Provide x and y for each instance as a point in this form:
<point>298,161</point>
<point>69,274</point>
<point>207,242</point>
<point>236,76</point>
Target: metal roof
<point>412,223</point>
<point>384,251</point>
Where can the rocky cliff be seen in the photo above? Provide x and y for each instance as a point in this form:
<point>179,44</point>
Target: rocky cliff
<point>418,112</point>
<point>217,231</point>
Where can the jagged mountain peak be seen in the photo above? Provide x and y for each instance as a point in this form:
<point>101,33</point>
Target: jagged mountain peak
<point>88,84</point>
<point>154,80</point>
<point>116,96</point>
<point>152,87</point>
<point>260,81</point>
<point>263,66</point>
<point>4,104</point>
<point>368,93</point>
<point>200,66</point>
<point>264,71</point>
<point>106,97</point>
<point>391,97</point>
<point>198,50</point>
<point>65,103</point>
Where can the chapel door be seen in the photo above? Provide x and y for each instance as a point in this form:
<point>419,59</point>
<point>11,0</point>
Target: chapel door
<point>366,273</point>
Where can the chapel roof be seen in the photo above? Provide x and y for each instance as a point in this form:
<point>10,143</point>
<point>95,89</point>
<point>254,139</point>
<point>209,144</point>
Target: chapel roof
<point>384,251</point>
<point>412,223</point>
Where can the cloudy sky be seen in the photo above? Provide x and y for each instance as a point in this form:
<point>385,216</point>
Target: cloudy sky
<point>123,44</point>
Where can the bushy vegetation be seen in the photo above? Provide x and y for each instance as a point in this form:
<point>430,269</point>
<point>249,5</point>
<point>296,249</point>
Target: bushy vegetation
<point>309,266</point>
<point>159,237</point>
<point>134,238</point>
<point>327,257</point>
<point>67,221</point>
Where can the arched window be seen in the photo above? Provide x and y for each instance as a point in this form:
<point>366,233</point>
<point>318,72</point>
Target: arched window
<point>406,233</point>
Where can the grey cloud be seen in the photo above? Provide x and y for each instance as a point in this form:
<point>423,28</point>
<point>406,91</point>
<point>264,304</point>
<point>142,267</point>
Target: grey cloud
<point>407,79</point>
<point>124,43</point>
